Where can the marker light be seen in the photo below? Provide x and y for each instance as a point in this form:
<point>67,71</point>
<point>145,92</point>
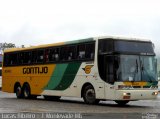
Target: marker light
<point>126,96</point>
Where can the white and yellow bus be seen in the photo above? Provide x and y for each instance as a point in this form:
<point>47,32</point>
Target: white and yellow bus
<point>100,68</point>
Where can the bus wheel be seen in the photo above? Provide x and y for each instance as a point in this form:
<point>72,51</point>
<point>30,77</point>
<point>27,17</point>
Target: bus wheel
<point>26,91</point>
<point>89,95</point>
<point>33,97</point>
<point>51,97</point>
<point>121,102</point>
<point>18,91</point>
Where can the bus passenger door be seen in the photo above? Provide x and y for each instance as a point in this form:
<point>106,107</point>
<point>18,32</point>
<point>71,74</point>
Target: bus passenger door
<point>109,76</point>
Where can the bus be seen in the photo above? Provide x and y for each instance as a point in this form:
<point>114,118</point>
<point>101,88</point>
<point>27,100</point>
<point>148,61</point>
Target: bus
<point>95,69</point>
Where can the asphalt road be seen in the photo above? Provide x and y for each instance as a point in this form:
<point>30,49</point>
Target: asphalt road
<point>11,107</point>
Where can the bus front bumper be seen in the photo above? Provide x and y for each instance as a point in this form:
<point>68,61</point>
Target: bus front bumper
<point>136,94</point>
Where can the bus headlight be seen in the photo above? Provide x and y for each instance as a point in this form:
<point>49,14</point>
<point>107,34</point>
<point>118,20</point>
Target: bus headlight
<point>155,93</point>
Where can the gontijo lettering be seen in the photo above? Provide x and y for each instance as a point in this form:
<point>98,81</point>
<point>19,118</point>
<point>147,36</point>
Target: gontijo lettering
<point>35,70</point>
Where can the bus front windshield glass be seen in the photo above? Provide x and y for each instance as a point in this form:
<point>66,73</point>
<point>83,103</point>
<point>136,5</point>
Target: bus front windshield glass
<point>136,68</point>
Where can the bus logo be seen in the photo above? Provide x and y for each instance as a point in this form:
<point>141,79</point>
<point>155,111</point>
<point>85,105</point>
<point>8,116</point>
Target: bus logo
<point>35,70</point>
<point>87,69</point>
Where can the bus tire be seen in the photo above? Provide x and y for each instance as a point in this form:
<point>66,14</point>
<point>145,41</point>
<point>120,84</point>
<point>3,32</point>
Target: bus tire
<point>46,97</point>
<point>89,95</point>
<point>33,97</point>
<point>26,91</point>
<point>18,91</point>
<point>121,102</point>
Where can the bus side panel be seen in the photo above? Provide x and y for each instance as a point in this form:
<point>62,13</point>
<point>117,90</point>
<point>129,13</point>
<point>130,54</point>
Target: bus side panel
<point>62,81</point>
<point>86,74</point>
<point>7,84</point>
<point>33,75</point>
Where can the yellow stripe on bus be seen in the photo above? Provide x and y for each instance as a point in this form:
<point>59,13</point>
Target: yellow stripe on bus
<point>135,83</point>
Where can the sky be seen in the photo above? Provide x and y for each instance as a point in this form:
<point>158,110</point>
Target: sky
<point>35,22</point>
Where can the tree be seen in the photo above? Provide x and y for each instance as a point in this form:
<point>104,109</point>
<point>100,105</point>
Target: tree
<point>5,45</point>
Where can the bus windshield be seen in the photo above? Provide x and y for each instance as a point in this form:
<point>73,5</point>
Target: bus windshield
<point>136,68</point>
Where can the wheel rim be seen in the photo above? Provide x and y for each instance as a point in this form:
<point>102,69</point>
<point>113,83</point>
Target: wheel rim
<point>26,93</point>
<point>90,95</point>
<point>18,91</point>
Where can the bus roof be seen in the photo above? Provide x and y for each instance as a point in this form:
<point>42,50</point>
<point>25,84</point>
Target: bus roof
<point>123,38</point>
<point>50,45</point>
<point>74,42</point>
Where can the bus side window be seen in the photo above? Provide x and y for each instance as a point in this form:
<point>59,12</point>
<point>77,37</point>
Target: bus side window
<point>90,50</point>
<point>13,59</point>
<point>72,53</point>
<point>34,56</point>
<point>46,56</point>
<point>26,57</point>
<point>53,54</point>
<point>64,54</point>
<point>81,51</point>
<point>6,59</point>
<point>20,57</point>
<point>68,53</point>
<point>40,56</point>
<point>56,53</point>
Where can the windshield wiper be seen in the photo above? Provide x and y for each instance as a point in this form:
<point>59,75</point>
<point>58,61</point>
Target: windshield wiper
<point>136,66</point>
<point>136,71</point>
<point>144,71</point>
